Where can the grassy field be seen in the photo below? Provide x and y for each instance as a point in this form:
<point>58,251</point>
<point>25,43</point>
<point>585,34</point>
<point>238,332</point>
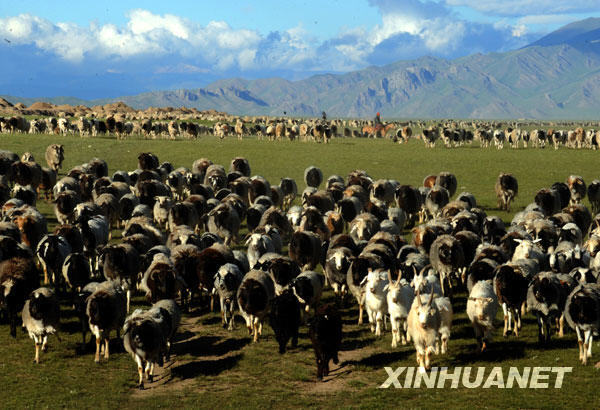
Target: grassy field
<point>215,368</point>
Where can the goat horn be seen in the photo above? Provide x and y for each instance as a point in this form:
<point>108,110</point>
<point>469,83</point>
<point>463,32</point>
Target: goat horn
<point>418,297</point>
<point>399,271</point>
<point>389,275</point>
<point>430,298</point>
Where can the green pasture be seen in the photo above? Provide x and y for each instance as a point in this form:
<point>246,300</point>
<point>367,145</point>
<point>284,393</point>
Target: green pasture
<point>214,368</point>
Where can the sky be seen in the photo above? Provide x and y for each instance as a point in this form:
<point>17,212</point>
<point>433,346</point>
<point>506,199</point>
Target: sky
<point>111,48</point>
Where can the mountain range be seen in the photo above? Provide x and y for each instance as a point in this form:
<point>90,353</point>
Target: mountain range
<point>557,76</point>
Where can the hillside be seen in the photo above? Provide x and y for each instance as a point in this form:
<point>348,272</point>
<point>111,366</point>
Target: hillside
<point>556,77</point>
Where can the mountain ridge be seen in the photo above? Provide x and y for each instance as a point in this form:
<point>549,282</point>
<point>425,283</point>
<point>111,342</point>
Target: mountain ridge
<point>557,76</point>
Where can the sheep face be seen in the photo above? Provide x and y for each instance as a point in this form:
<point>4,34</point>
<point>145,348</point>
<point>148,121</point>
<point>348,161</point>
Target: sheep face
<point>480,306</point>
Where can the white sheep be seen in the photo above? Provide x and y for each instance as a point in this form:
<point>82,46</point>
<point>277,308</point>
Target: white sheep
<point>376,298</point>
<point>482,306</point>
<point>400,297</point>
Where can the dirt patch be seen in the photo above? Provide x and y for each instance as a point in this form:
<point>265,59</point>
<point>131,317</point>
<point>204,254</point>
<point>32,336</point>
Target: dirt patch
<point>211,355</point>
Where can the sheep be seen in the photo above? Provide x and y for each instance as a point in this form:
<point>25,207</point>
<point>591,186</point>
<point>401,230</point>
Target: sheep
<point>258,245</point>
<point>444,306</point>
<point>448,181</point>
<point>121,264</point>
<point>51,252</point>
<point>147,336</point>
<point>400,297</point>
<point>31,224</point>
<point>337,263</point>
<point>593,191</point>
<point>182,213</point>
<point>227,281</point>
<point>313,177</point>
<point>308,287</point>
<point>64,208</point>
<point>546,297</point>
<point>447,257</point>
<point>161,211</point>
<point>510,285</point>
<point>106,308</point>
<point>160,280</point>
<point>76,271</point>
<point>577,188</point>
<point>424,322</point>
<point>507,189</point>
<point>436,199</point>
<point>363,227</point>
<point>254,297</point>
<point>285,319</point>
<point>241,165</point>
<point>325,332</point>
<point>305,249</point>
<point>55,155</point>
<point>482,306</point>
<point>290,191</point>
<point>41,316</point>
<point>582,312</point>
<point>282,270</point>
<point>224,221</point>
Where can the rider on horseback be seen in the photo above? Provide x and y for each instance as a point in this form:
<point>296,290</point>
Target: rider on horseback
<point>377,121</point>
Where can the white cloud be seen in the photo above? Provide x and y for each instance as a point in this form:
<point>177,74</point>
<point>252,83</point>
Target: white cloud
<point>528,7</point>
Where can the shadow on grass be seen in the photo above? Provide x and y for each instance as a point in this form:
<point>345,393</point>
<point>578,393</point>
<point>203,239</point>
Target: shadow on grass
<point>379,360</point>
<point>506,350</point>
<point>205,367</point>
<point>210,346</point>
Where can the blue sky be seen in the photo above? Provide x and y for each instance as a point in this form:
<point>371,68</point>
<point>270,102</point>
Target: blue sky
<point>106,49</point>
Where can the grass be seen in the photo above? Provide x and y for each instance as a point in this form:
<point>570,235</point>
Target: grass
<point>217,368</point>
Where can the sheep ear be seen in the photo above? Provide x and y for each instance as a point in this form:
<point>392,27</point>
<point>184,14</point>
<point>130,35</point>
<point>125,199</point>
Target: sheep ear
<point>536,240</point>
<point>362,282</point>
<point>518,240</point>
<point>386,287</point>
<point>490,300</point>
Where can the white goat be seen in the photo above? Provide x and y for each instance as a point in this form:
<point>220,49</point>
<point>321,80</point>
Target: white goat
<point>482,306</point>
<point>376,298</point>
<point>400,296</point>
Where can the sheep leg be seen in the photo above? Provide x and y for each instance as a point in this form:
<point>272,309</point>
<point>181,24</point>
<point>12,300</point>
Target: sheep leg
<point>379,320</point>
<point>541,336</point>
<point>106,354</point>
<point>395,330</point>
<point>579,342</point>
<point>405,335</point>
<point>360,314</point>
<point>231,318</point>
<point>504,309</point>
<point>37,349</point>
<point>255,329</point>
<point>223,312</point>
<point>561,324</point>
<point>97,357</point>
<point>140,366</point>
<point>587,345</point>
<point>517,321</point>
<point>128,299</point>
<point>45,344</point>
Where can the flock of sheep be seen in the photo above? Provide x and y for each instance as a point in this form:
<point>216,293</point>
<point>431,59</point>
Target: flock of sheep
<point>180,226</point>
<point>451,134</point>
